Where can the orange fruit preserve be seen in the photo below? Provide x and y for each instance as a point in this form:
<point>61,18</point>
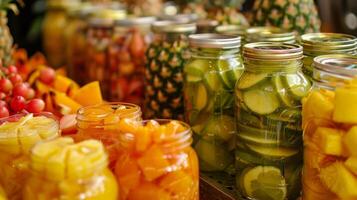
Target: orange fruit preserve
<point>101,122</point>
<point>157,161</point>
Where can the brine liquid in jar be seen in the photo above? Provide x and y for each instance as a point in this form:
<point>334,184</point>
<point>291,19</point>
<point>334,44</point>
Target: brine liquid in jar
<point>268,111</point>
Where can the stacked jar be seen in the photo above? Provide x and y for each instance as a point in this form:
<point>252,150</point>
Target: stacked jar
<point>126,59</point>
<point>232,30</point>
<point>269,138</point>
<point>270,34</point>
<point>61,169</point>
<point>210,76</point>
<point>330,133</point>
<point>164,69</point>
<point>100,122</point>
<point>99,37</point>
<point>157,161</point>
<point>18,134</point>
<point>316,44</point>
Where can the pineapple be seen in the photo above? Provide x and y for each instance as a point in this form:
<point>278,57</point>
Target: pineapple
<point>165,62</point>
<point>6,40</point>
<point>295,15</point>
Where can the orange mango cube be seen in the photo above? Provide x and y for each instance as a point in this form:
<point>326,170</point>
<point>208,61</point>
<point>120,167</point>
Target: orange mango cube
<point>345,105</point>
<point>89,94</point>
<point>148,191</point>
<point>178,183</point>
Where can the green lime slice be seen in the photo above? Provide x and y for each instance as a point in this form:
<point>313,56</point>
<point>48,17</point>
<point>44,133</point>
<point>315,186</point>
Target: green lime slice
<point>264,182</point>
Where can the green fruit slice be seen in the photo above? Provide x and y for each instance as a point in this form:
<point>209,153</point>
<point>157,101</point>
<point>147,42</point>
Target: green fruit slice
<point>261,100</point>
<point>264,182</point>
<point>280,152</point>
<point>213,81</point>
<point>198,67</point>
<point>283,93</point>
<point>230,71</point>
<point>215,156</point>
<point>251,79</point>
<point>200,97</point>
<point>222,127</point>
<point>298,85</point>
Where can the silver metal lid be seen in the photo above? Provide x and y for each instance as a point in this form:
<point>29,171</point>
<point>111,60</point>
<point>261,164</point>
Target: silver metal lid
<point>173,27</point>
<point>327,42</point>
<point>106,17</point>
<point>135,21</point>
<point>216,41</point>
<point>232,29</point>
<point>270,34</point>
<point>272,51</point>
<point>184,18</point>
<point>341,64</point>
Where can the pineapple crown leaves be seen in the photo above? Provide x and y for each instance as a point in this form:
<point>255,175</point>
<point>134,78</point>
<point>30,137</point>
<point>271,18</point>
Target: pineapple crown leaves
<point>11,5</point>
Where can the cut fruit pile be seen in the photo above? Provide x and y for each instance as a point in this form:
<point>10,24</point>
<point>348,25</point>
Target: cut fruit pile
<point>151,168</point>
<point>330,127</point>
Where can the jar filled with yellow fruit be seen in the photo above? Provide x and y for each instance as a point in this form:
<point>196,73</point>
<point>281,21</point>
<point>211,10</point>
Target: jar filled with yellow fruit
<point>61,169</point>
<point>100,122</point>
<point>18,134</point>
<point>330,130</point>
<point>157,161</point>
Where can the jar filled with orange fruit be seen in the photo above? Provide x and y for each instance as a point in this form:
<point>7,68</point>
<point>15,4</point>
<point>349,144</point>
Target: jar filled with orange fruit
<point>101,122</point>
<point>126,57</point>
<point>157,161</point>
<point>61,169</point>
<point>329,118</point>
<point>18,134</point>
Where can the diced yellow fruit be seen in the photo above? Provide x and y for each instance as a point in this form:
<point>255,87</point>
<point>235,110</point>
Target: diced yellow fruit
<point>127,172</point>
<point>153,163</point>
<point>345,105</point>
<point>143,139</point>
<point>62,84</point>
<point>339,180</point>
<point>178,183</point>
<point>317,106</point>
<point>350,141</point>
<point>42,88</point>
<point>89,94</point>
<point>329,141</point>
<point>351,164</point>
<point>63,99</point>
<point>148,191</point>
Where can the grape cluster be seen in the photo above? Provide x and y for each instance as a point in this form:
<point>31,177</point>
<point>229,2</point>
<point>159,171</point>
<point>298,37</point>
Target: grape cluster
<point>16,95</point>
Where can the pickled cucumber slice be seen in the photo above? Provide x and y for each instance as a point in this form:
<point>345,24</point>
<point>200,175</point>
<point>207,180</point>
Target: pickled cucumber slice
<point>230,71</point>
<point>264,182</point>
<point>222,126</point>
<point>281,152</point>
<point>215,156</point>
<point>261,100</point>
<point>298,85</point>
<point>213,81</point>
<point>251,79</point>
<point>283,94</point>
<point>197,68</point>
<point>200,97</point>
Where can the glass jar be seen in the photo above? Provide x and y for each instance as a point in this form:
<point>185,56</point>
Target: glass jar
<point>157,161</point>
<point>166,57</point>
<point>232,30</point>
<point>126,59</point>
<point>268,112</point>
<point>206,25</point>
<point>270,34</point>
<point>18,134</point>
<point>54,24</point>
<point>100,122</point>
<point>99,37</point>
<point>210,77</point>
<point>330,130</point>
<point>61,169</point>
<point>317,44</point>
<point>75,36</point>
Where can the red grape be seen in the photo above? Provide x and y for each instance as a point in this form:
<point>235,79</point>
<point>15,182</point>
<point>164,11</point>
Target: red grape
<point>35,106</point>
<point>15,79</point>
<point>18,103</point>
<point>4,112</point>
<point>20,90</point>
<point>30,94</point>
<point>5,85</point>
<point>47,75</point>
<point>12,69</point>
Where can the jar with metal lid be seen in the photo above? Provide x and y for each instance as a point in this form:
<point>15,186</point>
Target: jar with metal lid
<point>270,34</point>
<point>182,18</point>
<point>268,112</point>
<point>330,129</point>
<point>62,169</point>
<point>166,57</point>
<point>210,77</point>
<point>54,24</point>
<point>316,44</point>
<point>232,29</point>
<point>206,25</point>
<point>99,37</point>
<point>126,59</point>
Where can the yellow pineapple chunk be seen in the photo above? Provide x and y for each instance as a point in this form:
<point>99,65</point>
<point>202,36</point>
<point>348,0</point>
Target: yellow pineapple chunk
<point>350,141</point>
<point>351,164</point>
<point>345,105</point>
<point>339,180</point>
<point>329,141</point>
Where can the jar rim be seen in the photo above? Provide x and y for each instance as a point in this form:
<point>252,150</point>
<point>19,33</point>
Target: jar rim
<point>270,34</point>
<point>215,41</point>
<point>327,42</point>
<point>336,64</point>
<point>184,18</point>
<point>135,21</point>
<point>173,27</point>
<point>231,29</point>
<point>272,51</point>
